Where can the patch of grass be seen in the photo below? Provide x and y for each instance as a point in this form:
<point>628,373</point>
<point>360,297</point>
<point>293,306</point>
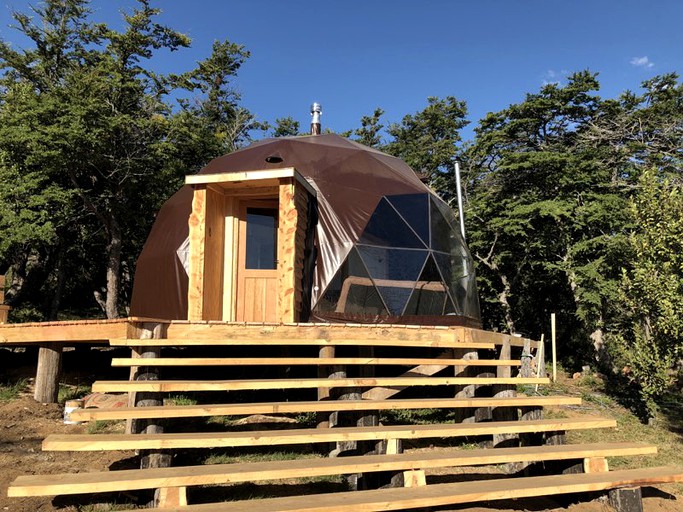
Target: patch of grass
<point>68,392</point>
<point>11,391</point>
<point>221,458</point>
<point>104,426</point>
<point>180,400</point>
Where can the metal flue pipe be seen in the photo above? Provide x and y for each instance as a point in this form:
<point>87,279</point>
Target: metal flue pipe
<point>316,112</point>
<point>459,189</point>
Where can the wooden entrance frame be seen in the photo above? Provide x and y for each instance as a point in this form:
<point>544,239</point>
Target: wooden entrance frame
<point>214,231</point>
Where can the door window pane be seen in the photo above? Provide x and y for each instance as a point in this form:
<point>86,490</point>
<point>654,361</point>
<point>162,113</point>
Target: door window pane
<point>261,238</point>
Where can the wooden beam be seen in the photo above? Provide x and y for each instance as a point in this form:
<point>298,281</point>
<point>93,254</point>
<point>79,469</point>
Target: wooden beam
<point>438,495</point>
<point>197,226</point>
<point>286,252</point>
<point>235,385</point>
<point>96,442</point>
<point>313,361</point>
<point>80,331</point>
<point>243,409</point>
<point>47,373</point>
<point>216,474</point>
<point>274,341</point>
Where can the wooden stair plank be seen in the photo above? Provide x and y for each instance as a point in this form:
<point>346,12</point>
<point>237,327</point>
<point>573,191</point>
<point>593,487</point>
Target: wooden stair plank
<point>448,494</point>
<point>186,411</point>
<point>235,385</point>
<point>85,442</point>
<point>294,361</point>
<point>390,342</point>
<point>216,474</point>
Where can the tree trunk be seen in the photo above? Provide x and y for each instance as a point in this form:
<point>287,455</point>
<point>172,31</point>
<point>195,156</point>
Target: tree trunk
<point>59,288</point>
<point>113,269</point>
<point>47,374</point>
<point>503,298</point>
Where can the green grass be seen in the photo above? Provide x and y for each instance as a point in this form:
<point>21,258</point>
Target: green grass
<point>68,392</point>
<point>220,458</point>
<point>105,426</point>
<point>180,400</point>
<point>11,391</point>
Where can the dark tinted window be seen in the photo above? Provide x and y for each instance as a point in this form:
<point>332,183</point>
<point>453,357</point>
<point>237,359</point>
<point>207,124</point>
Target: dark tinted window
<point>261,238</point>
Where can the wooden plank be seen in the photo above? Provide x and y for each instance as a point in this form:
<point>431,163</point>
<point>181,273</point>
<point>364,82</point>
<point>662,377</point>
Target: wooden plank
<point>197,227</point>
<point>215,474</point>
<point>231,232</point>
<point>214,240</point>
<point>595,464</point>
<point>241,409</point>
<point>448,494</point>
<point>223,330</point>
<point>272,341</point>
<point>86,331</point>
<point>286,252</point>
<point>314,361</point>
<point>231,177</point>
<point>107,386</point>
<point>90,442</point>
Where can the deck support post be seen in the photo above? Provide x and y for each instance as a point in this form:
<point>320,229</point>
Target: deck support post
<point>628,499</point>
<point>150,458</point>
<point>47,374</point>
<point>504,391</point>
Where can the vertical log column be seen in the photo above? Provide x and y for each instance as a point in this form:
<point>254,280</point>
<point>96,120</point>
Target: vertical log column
<point>149,458</point>
<point>505,391</point>
<point>48,372</point>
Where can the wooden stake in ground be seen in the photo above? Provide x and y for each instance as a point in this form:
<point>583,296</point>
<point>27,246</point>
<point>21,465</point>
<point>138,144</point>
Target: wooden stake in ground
<point>553,337</point>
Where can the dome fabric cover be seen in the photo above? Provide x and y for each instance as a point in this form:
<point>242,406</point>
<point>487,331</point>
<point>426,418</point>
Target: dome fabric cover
<point>378,224</point>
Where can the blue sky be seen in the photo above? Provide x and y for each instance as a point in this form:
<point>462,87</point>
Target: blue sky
<point>353,56</point>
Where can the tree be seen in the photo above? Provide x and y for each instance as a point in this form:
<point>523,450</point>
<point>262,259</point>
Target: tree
<point>82,115</point>
<point>544,212</point>
<point>428,140</point>
<point>286,127</point>
<point>648,346</point>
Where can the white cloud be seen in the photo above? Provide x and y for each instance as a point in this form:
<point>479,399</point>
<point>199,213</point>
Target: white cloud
<point>641,62</point>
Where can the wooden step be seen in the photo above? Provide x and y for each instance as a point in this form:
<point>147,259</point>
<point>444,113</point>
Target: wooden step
<point>109,386</point>
<point>85,442</point>
<point>187,411</point>
<point>390,342</point>
<point>447,494</point>
<point>313,361</point>
<point>216,474</point>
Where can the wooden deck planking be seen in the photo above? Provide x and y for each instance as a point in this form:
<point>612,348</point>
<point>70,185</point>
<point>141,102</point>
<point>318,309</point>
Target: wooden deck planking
<point>237,385</point>
<point>447,494</point>
<point>295,361</point>
<point>216,474</point>
<point>188,411</point>
<point>95,442</point>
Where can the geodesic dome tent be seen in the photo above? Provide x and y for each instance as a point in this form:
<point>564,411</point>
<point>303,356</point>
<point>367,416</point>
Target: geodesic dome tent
<point>382,247</point>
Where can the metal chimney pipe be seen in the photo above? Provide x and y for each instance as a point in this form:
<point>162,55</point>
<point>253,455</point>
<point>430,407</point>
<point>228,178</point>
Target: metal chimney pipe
<point>316,112</point>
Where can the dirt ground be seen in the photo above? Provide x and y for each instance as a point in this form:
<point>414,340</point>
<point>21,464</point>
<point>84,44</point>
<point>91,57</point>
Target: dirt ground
<point>24,423</point>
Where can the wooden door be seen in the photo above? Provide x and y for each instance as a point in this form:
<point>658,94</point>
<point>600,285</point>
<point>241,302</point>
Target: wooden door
<point>257,275</point>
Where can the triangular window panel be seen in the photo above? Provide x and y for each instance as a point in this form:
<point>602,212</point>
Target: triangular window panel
<point>387,228</point>
<point>351,291</point>
<point>395,298</point>
<point>414,208</point>
<point>430,294</point>
<point>443,236</point>
<point>452,271</point>
<point>385,263</point>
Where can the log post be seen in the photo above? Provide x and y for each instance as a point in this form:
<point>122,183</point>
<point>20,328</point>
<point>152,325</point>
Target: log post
<point>465,415</point>
<point>47,373</point>
<point>150,458</point>
<point>325,372</point>
<point>626,499</point>
<point>504,391</point>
